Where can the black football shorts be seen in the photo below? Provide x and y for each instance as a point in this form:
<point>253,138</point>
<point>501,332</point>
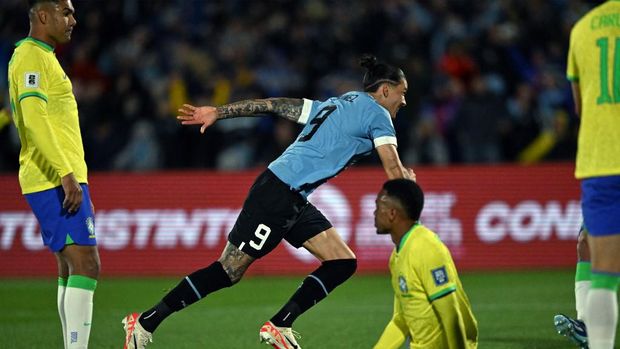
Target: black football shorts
<point>272,212</point>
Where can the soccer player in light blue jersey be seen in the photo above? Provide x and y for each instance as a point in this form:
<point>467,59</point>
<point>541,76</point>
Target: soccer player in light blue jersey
<point>336,133</point>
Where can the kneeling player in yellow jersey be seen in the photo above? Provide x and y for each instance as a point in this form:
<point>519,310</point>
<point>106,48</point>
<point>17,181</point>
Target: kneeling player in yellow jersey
<point>430,305</point>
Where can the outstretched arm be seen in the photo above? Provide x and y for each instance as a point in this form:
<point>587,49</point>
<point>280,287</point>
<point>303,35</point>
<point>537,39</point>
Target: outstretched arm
<point>391,163</point>
<point>288,108</point>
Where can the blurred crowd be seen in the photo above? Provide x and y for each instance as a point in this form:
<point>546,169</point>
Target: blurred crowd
<point>486,77</point>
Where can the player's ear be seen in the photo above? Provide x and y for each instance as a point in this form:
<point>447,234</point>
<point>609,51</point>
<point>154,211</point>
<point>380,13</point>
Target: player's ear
<point>393,214</point>
<point>41,15</point>
<point>43,12</point>
<point>385,89</point>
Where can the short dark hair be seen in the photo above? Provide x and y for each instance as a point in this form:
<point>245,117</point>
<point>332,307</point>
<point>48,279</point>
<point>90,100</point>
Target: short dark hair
<point>408,193</point>
<point>377,72</point>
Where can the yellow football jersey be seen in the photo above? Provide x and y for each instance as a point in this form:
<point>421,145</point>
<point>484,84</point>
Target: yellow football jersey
<point>422,273</point>
<point>45,113</point>
<point>594,62</point>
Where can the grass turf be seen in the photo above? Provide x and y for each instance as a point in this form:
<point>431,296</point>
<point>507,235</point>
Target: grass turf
<point>514,311</point>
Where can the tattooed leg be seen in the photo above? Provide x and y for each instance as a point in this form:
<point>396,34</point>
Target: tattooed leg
<point>235,262</point>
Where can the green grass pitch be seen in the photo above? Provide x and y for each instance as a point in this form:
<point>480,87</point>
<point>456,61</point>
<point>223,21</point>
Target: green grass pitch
<point>514,311</point>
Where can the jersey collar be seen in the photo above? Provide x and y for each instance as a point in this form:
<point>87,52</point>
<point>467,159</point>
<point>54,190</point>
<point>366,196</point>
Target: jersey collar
<point>403,240</point>
<point>47,47</point>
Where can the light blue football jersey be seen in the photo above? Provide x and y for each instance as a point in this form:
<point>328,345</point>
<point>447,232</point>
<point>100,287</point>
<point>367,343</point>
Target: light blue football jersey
<point>337,132</point>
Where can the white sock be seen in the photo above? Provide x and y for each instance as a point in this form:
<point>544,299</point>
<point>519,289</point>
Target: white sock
<point>581,295</point>
<point>60,301</point>
<point>79,310</point>
<point>601,318</point>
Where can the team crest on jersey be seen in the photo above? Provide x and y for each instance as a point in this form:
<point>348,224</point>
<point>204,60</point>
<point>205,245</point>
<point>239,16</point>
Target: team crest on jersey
<point>440,276</point>
<point>90,224</point>
<point>402,284</point>
<point>31,79</point>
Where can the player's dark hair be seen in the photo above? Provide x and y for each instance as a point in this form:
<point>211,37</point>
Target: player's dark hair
<point>377,73</point>
<point>408,193</point>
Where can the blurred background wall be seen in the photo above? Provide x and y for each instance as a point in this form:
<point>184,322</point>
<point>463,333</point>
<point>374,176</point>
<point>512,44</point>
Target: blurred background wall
<point>486,77</point>
<point>164,223</point>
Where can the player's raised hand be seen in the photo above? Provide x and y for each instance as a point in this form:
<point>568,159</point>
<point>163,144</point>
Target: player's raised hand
<point>190,115</point>
<point>411,174</point>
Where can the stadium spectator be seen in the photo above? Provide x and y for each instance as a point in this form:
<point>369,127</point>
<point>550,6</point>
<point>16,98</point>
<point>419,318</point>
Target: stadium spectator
<point>431,308</point>
<point>592,69</point>
<point>153,47</point>
<point>53,174</point>
<point>337,132</point>
<point>477,124</point>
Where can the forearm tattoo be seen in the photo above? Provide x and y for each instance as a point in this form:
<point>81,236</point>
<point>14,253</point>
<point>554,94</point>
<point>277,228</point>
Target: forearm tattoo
<point>288,108</point>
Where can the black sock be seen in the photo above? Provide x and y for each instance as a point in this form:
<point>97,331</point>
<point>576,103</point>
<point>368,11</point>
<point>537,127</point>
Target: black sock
<point>191,289</point>
<point>151,318</point>
<point>314,288</point>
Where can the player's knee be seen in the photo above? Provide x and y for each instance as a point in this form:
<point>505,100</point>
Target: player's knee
<point>235,277</point>
<point>334,272</point>
<point>234,270</point>
<point>583,250</point>
<point>88,265</point>
<point>346,267</point>
<point>87,269</point>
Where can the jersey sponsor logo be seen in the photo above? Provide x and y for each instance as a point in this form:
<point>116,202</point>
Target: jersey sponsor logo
<point>402,284</point>
<point>90,224</point>
<point>440,276</point>
<point>31,79</point>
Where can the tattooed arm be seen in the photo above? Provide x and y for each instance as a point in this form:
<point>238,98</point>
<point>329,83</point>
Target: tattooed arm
<point>288,108</point>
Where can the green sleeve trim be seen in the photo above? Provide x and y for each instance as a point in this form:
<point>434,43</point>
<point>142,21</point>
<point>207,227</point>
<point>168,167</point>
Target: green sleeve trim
<point>582,273</point>
<point>62,282</point>
<point>442,293</point>
<point>572,78</point>
<point>32,94</point>
<point>83,282</point>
